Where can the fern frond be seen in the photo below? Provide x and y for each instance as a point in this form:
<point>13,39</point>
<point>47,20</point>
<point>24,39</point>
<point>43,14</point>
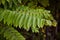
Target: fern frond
<point>10,33</point>
<point>27,18</point>
<point>15,3</point>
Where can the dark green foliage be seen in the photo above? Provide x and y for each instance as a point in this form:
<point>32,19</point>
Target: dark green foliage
<point>30,3</point>
<point>24,14</point>
<point>10,33</point>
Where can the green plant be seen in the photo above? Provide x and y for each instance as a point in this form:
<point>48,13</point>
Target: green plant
<point>23,16</point>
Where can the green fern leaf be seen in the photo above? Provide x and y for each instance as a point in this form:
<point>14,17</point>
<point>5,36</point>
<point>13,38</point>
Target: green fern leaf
<point>9,18</point>
<point>5,15</point>
<point>25,21</point>
<point>54,23</point>
<point>34,23</point>
<point>27,18</point>
<point>10,33</point>
<point>18,18</point>
<point>49,16</point>
<point>42,23</point>
<point>29,22</point>
<point>22,20</point>
<point>14,21</point>
<point>48,22</point>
